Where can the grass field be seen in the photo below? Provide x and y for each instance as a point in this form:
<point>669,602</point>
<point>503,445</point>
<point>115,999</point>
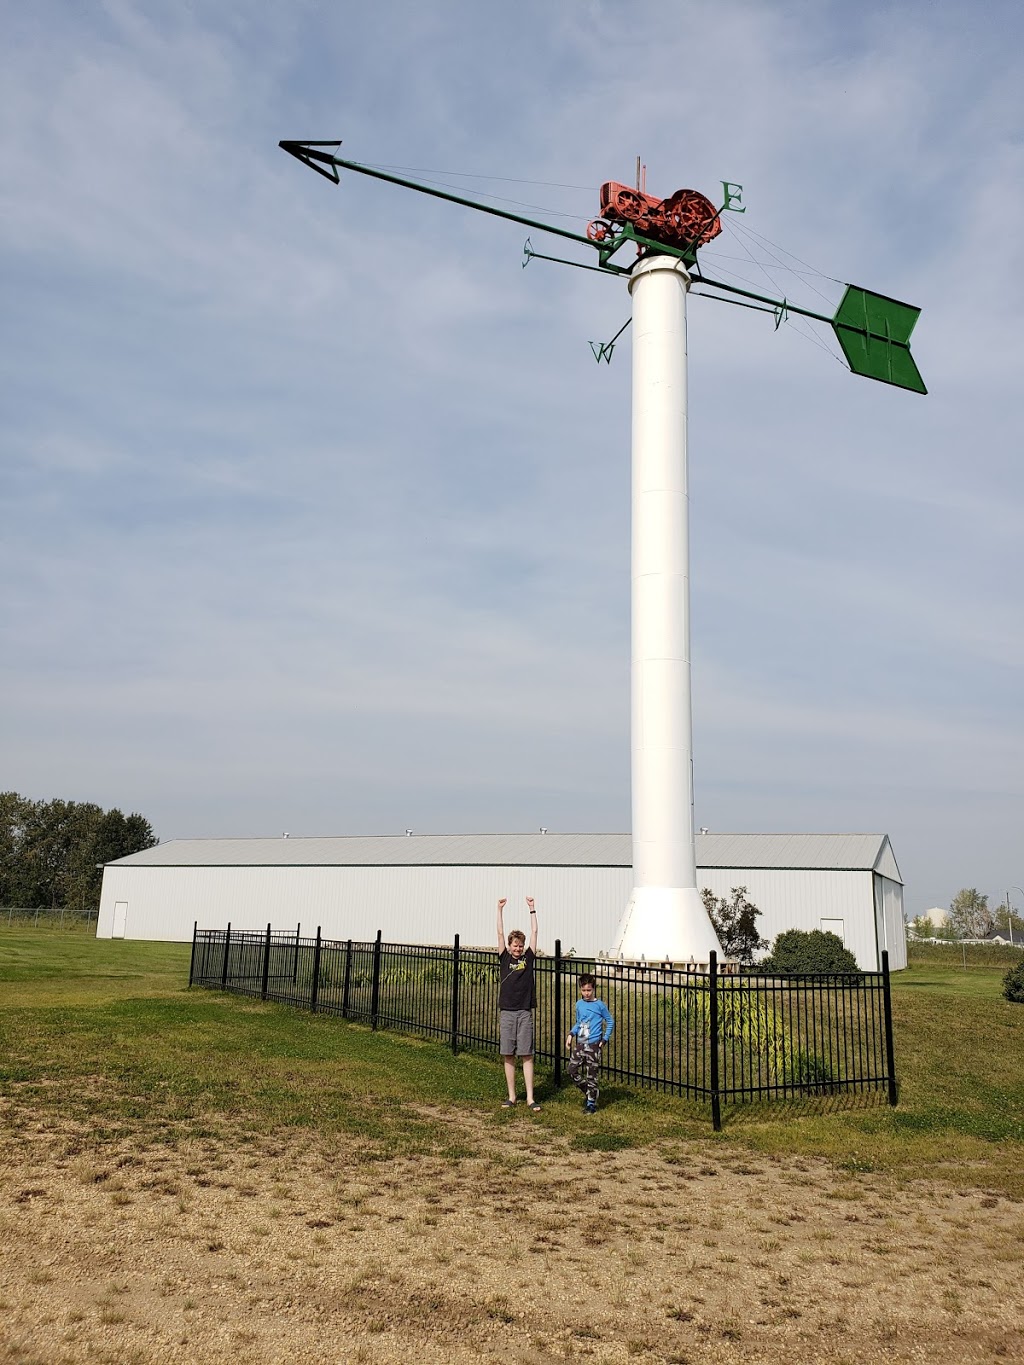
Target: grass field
<point>165,1148</point>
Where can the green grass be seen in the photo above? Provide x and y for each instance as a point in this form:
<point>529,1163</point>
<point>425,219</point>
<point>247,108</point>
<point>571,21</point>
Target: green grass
<point>961,1053</point>
<point>103,1038</point>
<point>71,967</point>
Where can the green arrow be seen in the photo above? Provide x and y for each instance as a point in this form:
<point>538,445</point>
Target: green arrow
<point>874,332</point>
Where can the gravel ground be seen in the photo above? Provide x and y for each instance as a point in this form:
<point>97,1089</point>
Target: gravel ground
<point>301,1248</point>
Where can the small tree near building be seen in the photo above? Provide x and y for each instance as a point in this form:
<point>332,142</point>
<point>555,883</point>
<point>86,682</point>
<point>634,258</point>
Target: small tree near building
<point>735,923</point>
<point>969,914</point>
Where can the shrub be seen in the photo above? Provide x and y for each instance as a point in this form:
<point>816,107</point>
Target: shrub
<point>799,951</point>
<point>811,1073</point>
<point>1013,984</point>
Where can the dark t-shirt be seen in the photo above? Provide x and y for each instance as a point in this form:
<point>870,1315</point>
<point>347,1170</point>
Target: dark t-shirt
<point>516,990</point>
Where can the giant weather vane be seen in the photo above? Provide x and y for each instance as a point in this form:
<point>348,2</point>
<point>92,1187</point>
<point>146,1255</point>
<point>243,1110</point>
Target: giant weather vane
<point>665,919</point>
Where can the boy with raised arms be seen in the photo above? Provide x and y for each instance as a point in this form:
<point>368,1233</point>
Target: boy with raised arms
<point>517,996</point>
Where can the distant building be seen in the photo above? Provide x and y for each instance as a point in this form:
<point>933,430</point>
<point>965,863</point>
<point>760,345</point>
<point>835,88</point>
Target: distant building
<point>1008,934</point>
<point>938,916</point>
<point>427,888</point>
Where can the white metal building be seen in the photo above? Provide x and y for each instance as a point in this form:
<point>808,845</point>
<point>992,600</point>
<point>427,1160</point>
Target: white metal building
<point>427,888</point>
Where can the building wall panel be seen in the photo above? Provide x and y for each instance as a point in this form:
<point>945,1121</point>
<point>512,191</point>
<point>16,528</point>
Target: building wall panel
<point>579,905</point>
<point>893,924</point>
<point>408,904</point>
<point>800,899</point>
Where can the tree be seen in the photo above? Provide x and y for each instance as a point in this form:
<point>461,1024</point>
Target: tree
<point>49,850</point>
<point>924,927</point>
<point>118,836</point>
<point>13,814</point>
<point>969,913</point>
<point>735,923</point>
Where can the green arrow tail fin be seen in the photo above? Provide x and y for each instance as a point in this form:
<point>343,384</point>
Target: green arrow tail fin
<point>874,332</point>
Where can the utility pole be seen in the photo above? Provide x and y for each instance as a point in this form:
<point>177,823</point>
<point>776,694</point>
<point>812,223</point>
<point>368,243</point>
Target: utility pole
<point>1009,911</point>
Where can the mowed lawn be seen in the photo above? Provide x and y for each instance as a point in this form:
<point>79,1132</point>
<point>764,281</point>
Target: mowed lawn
<point>107,1032</point>
<point>192,1177</point>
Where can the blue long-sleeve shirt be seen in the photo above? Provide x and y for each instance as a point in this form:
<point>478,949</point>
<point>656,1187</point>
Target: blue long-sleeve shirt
<point>594,1023</point>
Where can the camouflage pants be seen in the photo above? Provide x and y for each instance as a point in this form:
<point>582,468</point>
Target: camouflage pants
<point>584,1063</point>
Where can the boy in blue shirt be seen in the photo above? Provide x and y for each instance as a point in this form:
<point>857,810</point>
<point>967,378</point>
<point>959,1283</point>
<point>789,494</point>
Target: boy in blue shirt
<point>592,1029</point>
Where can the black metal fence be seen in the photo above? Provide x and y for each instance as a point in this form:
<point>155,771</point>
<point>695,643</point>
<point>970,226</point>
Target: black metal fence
<point>716,1036</point>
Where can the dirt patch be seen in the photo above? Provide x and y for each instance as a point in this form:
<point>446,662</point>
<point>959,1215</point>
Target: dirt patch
<point>303,1248</point>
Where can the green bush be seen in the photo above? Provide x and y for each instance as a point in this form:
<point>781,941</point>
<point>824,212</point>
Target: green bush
<point>811,1073</point>
<point>1013,984</point>
<point>799,951</point>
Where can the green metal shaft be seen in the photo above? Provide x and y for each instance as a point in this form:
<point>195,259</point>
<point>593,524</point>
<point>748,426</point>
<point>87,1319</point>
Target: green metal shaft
<point>458,199</point>
<point>605,249</point>
<point>761,298</point>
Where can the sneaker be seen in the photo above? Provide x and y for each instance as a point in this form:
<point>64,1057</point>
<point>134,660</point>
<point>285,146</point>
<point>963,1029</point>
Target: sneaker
<point>590,1107</point>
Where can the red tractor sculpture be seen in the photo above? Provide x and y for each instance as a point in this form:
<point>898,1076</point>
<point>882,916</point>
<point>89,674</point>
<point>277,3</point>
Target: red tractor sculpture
<point>686,220</point>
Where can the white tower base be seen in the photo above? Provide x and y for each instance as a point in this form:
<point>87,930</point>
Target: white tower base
<point>666,924</point>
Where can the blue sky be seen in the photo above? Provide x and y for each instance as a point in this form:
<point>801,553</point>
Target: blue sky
<point>315,503</point>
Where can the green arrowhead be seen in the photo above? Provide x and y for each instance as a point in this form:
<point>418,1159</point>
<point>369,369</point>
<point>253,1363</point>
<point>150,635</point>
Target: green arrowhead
<point>874,332</point>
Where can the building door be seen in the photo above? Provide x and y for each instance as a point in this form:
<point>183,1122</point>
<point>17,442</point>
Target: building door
<point>120,919</point>
<point>834,926</point>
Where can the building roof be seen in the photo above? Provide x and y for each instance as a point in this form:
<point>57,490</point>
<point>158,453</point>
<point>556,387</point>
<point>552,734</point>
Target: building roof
<point>1002,935</point>
<point>849,852</point>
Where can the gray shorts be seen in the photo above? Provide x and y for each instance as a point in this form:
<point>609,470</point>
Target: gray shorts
<point>516,1033</point>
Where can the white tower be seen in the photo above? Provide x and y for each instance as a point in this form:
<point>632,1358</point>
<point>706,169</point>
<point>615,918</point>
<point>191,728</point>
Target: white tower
<point>665,917</point>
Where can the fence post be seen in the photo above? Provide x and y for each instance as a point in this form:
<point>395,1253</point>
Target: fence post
<point>890,1052</point>
<point>716,1104</point>
<point>314,990</point>
<point>455,995</point>
<point>375,989</point>
<point>192,959</point>
<point>348,978</point>
<point>558,1011</point>
<point>266,965</point>
<point>227,949</point>
<point>295,968</point>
